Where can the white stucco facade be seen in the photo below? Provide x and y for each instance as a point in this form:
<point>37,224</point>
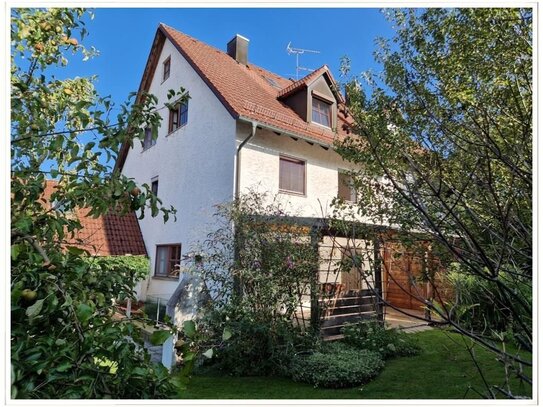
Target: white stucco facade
<point>194,166</point>
<point>260,170</point>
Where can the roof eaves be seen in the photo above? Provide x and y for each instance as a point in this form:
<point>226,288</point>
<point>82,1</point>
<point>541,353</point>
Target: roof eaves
<point>284,131</point>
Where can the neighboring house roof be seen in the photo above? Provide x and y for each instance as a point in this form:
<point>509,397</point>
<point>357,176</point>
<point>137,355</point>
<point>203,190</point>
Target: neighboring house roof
<point>107,235</point>
<point>246,91</point>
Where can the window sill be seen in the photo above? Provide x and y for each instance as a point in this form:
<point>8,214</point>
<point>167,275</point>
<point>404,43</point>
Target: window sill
<point>148,148</point>
<point>173,131</point>
<point>300,194</point>
<point>322,125</point>
<point>164,278</point>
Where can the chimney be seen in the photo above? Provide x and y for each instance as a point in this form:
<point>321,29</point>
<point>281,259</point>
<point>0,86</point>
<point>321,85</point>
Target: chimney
<point>238,48</point>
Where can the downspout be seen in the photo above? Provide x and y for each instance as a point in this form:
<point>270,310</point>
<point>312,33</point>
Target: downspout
<point>238,160</point>
<point>237,281</point>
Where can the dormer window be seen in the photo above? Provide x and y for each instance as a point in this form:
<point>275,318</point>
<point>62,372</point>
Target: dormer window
<point>322,112</point>
<point>166,71</point>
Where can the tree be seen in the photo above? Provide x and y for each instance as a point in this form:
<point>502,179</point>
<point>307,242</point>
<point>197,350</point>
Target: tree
<point>444,137</point>
<point>65,342</point>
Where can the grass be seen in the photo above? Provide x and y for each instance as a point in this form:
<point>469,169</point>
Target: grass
<point>443,370</point>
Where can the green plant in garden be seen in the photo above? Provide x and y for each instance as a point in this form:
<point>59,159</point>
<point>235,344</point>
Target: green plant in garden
<point>336,365</point>
<point>374,336</point>
<point>64,339</point>
<point>259,275</point>
<point>444,136</point>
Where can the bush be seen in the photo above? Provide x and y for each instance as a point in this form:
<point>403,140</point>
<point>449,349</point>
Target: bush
<point>257,346</point>
<point>372,335</point>
<point>336,365</point>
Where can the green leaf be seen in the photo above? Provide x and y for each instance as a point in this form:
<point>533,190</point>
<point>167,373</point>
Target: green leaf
<point>84,312</point>
<point>159,337</point>
<point>189,328</point>
<point>226,334</point>
<point>15,250</point>
<point>208,353</point>
<point>76,251</point>
<point>64,366</point>
<point>34,310</point>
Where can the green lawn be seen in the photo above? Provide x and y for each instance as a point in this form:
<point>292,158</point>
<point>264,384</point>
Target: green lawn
<point>443,370</point>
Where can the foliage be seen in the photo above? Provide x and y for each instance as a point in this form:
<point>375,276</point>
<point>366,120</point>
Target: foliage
<point>255,347</point>
<point>474,304</point>
<point>64,339</point>
<point>373,335</point>
<point>444,135</point>
<point>336,365</point>
<point>443,370</point>
<point>259,276</point>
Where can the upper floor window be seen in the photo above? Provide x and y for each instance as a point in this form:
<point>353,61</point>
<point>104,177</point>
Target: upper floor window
<point>148,140</point>
<point>291,175</point>
<point>322,112</point>
<point>179,116</point>
<point>154,186</point>
<point>346,190</point>
<point>168,259</point>
<point>166,70</point>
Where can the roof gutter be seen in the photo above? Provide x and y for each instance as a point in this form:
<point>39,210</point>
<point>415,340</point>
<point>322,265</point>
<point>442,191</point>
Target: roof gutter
<point>238,158</point>
<point>285,132</point>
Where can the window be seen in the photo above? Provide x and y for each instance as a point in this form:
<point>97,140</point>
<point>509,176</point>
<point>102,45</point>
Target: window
<point>166,71</point>
<point>168,259</point>
<point>148,140</point>
<point>291,175</point>
<point>154,186</point>
<point>346,189</point>
<point>322,112</point>
<point>179,116</point>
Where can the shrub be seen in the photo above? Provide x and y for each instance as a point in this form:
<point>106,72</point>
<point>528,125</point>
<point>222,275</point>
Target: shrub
<point>257,346</point>
<point>373,335</point>
<point>336,365</point>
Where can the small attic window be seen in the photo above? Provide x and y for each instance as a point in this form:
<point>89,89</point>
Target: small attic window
<point>321,112</point>
<point>272,82</point>
<point>166,71</point>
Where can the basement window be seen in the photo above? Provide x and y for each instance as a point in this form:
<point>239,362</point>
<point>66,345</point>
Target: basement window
<point>321,112</point>
<point>291,175</point>
<point>168,261</point>
<point>166,70</point>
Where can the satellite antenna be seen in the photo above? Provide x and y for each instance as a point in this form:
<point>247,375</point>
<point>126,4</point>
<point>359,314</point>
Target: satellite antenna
<point>298,52</point>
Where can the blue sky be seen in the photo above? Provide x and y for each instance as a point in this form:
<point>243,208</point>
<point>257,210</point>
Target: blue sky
<point>124,36</point>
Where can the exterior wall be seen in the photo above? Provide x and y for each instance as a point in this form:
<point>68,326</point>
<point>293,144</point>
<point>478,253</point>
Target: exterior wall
<point>260,170</point>
<point>194,165</point>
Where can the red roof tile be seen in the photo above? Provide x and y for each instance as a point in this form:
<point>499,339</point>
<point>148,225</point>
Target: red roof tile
<point>247,91</point>
<point>108,235</point>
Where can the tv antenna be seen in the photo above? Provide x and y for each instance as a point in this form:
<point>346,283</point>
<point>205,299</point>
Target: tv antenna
<point>298,52</point>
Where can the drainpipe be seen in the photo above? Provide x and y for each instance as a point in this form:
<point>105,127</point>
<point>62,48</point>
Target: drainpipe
<point>238,159</point>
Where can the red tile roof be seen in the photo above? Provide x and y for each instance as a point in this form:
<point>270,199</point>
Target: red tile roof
<point>108,235</point>
<point>246,91</point>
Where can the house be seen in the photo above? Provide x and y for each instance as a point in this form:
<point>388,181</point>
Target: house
<point>243,127</point>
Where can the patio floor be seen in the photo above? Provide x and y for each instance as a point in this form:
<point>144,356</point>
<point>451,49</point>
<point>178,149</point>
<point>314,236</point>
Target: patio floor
<point>397,319</point>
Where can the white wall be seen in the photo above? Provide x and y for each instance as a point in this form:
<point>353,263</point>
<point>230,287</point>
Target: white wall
<point>260,170</point>
<point>194,165</point>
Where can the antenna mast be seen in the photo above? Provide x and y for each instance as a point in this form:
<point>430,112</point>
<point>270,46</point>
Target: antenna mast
<point>298,52</point>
